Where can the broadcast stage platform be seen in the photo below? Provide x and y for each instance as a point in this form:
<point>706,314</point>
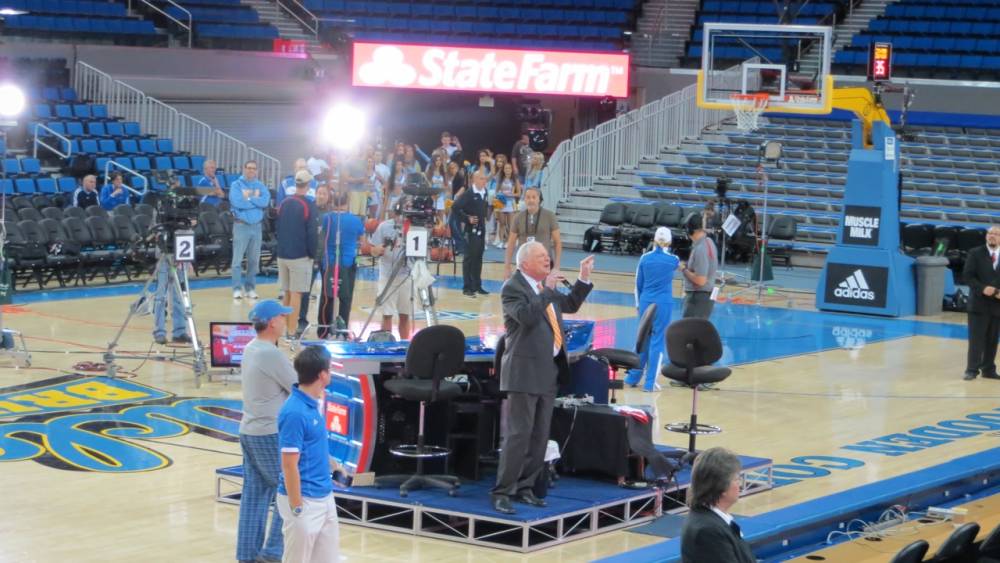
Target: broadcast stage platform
<point>850,408</point>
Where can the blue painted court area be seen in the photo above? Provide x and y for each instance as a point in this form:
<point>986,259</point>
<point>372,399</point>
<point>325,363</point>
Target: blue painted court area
<point>749,333</point>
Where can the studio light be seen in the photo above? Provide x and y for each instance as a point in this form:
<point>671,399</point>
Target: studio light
<point>343,127</point>
<point>12,101</point>
<point>11,12</point>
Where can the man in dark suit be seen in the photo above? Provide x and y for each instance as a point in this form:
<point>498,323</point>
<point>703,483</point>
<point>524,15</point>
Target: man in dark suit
<point>710,535</point>
<point>470,208</point>
<point>533,364</point>
<point>982,273</point>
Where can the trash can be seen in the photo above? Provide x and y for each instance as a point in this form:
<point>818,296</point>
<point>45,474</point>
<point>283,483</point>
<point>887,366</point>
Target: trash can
<point>930,284</point>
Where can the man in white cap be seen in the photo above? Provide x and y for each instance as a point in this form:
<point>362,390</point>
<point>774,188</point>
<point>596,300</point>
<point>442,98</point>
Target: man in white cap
<point>654,280</point>
<point>297,234</point>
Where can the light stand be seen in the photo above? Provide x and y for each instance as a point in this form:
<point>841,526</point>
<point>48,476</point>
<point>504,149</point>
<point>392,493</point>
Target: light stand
<point>12,343</point>
<point>724,203</point>
<point>177,278</point>
<point>770,153</point>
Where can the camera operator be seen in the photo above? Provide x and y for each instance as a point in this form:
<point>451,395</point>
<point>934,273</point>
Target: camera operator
<point>340,239</point>
<point>298,226</point>
<point>177,315</point>
<point>471,209</point>
<point>390,248</point>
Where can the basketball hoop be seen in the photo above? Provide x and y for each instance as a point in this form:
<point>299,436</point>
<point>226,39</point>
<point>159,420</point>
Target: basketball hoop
<point>748,108</point>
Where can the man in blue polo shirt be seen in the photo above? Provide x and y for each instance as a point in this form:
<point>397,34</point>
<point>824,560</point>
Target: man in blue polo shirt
<point>305,492</point>
<point>249,198</point>
<point>340,236</point>
<point>211,181</point>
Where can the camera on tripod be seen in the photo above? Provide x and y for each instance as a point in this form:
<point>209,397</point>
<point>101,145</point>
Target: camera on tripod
<point>419,206</point>
<point>176,210</point>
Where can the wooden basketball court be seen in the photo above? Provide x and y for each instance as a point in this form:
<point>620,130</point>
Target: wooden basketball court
<point>831,398</point>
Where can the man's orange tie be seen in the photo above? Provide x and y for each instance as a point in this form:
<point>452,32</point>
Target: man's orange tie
<point>550,312</point>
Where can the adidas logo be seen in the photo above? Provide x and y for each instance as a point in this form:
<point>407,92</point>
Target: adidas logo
<point>855,287</point>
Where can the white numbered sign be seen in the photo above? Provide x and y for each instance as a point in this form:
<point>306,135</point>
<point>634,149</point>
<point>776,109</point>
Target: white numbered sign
<point>416,242</point>
<point>184,246</point>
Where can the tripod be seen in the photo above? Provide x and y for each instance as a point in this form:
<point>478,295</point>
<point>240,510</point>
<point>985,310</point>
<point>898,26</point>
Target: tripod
<point>724,209</point>
<point>177,279</point>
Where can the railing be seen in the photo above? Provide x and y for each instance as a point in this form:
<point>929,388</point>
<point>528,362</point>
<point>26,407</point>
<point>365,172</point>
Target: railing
<point>302,14</point>
<point>154,116</point>
<point>189,26</point>
<point>623,141</point>
<point>145,181</point>
<point>39,141</point>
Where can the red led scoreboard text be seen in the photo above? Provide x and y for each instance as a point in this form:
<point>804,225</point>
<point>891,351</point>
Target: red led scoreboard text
<point>514,71</point>
<point>880,62</point>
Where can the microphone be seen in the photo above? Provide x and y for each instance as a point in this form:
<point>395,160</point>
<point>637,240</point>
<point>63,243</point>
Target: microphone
<point>566,283</point>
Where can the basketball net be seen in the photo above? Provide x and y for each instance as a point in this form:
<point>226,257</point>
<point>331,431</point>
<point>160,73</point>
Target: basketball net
<point>748,108</point>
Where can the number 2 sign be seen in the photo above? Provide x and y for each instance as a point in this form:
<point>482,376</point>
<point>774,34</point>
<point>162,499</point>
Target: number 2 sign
<point>184,246</point>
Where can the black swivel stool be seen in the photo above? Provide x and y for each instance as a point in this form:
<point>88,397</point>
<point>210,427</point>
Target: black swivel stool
<point>435,353</point>
<point>693,346</point>
<point>620,359</point>
<point>959,547</point>
<point>913,553</point>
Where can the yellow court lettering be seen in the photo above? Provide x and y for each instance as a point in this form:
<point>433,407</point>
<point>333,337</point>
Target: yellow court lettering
<point>53,399</point>
<point>8,407</point>
<point>101,391</point>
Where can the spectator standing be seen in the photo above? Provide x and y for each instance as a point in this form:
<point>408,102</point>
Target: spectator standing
<point>699,272</point>
<point>340,238</point>
<point>211,181</point>
<point>249,199</point>
<point>305,493</point>
<point>86,195</point>
<point>471,208</point>
<point>654,283</point>
<point>396,183</point>
<point>356,183</point>
<point>298,226</point>
<point>396,292</point>
<point>267,377</point>
<point>436,173</point>
<point>534,224</point>
<point>508,192</point>
<point>288,187</point>
<point>115,193</point>
<point>520,155</point>
<point>454,183</point>
<point>533,178</point>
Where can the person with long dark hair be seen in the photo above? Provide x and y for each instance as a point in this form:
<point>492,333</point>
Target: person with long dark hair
<point>710,534</point>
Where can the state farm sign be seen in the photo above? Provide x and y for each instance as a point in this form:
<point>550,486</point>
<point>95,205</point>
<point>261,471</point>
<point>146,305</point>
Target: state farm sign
<point>491,70</point>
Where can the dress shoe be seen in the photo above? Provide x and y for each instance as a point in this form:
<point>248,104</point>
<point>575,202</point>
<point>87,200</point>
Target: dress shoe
<point>528,497</point>
<point>991,376</point>
<point>501,503</point>
<point>482,291</point>
<point>469,293</point>
<point>969,376</point>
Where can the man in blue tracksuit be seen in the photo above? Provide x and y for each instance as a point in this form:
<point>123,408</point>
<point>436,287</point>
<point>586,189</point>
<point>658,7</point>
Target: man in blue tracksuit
<point>249,198</point>
<point>654,279</point>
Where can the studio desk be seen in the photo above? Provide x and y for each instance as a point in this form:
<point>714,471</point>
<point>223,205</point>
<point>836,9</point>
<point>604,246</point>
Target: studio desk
<point>364,420</point>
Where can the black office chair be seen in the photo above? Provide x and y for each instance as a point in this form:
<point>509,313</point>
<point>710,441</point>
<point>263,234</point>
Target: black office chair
<point>435,353</point>
<point>958,546</point>
<point>989,550</point>
<point>913,553</point>
<point>693,346</point>
<point>620,359</point>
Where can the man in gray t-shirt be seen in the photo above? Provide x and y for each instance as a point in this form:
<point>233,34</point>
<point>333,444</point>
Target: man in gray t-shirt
<point>390,248</point>
<point>699,275</point>
<point>267,376</point>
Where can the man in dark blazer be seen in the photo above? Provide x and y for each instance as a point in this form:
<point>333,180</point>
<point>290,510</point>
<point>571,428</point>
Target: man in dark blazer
<point>471,209</point>
<point>710,534</point>
<point>982,273</point>
<point>534,363</point>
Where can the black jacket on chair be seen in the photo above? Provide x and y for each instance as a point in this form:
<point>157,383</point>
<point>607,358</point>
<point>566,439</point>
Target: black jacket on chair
<point>979,273</point>
<point>706,538</point>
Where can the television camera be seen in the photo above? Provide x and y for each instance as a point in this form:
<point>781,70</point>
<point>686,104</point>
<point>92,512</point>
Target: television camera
<point>419,206</point>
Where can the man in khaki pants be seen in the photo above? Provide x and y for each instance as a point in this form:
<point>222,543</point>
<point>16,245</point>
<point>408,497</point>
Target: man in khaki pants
<point>298,228</point>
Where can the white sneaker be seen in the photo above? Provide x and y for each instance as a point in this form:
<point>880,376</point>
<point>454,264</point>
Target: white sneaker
<point>252,294</point>
<point>237,294</point>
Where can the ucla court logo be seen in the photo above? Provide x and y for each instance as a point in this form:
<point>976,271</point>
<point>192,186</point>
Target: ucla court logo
<point>105,425</point>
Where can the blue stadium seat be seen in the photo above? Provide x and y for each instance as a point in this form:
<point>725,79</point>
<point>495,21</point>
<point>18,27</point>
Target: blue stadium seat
<point>67,184</point>
<point>7,187</point>
<point>74,129</point>
<point>107,146</point>
<point>31,166</point>
<point>182,163</point>
<point>148,146</point>
<point>140,163</point>
<point>43,111</point>
<point>96,129</point>
<point>46,185</point>
<point>64,111</point>
<point>129,146</point>
<point>11,166</point>
<point>197,162</point>
<point>67,94</point>
<point>132,129</point>
<point>165,145</point>
<point>81,111</point>
<point>124,161</point>
<point>24,186</point>
<point>163,163</point>
<point>114,129</point>
<point>99,111</point>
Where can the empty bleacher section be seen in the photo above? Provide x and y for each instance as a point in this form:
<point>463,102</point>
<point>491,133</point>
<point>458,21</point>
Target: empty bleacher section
<point>952,39</point>
<point>79,20</point>
<point>569,24</point>
<point>757,12</point>
<point>51,241</point>
<point>224,24</point>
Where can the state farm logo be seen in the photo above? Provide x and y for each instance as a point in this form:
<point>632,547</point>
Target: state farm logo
<point>491,70</point>
<point>387,67</point>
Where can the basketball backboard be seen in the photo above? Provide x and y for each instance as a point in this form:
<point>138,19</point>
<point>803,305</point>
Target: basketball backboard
<point>790,63</point>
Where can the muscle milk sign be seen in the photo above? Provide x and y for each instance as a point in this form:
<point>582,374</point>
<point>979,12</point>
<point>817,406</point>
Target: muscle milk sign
<point>861,225</point>
<point>514,71</point>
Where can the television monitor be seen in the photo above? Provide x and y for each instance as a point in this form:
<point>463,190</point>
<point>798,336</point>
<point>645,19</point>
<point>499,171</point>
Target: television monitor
<point>228,341</point>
